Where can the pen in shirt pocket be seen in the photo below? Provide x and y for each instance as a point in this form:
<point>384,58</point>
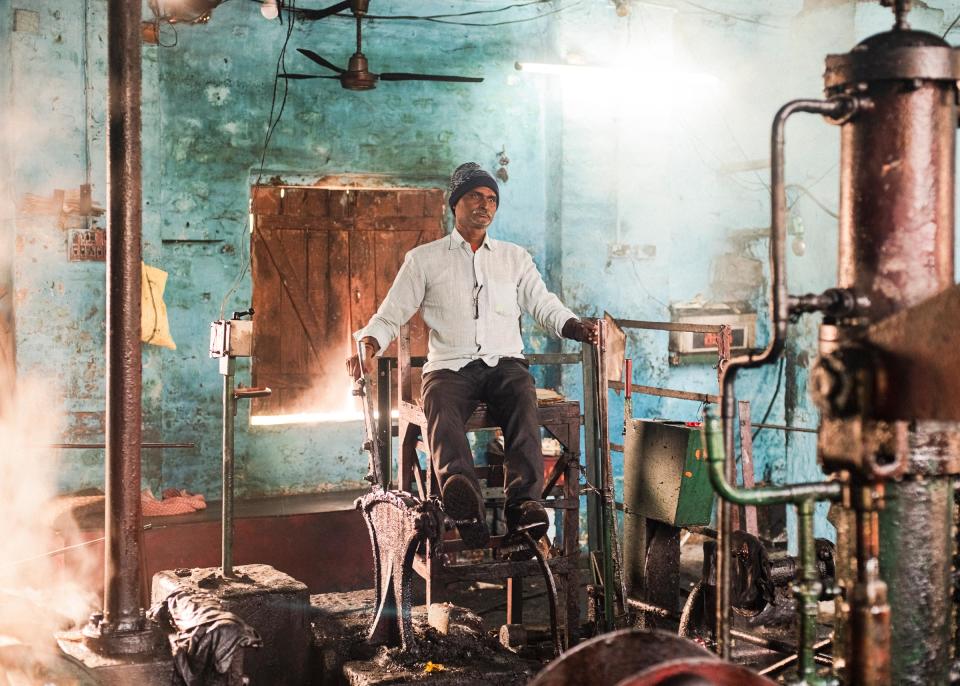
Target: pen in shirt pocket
<point>476,302</point>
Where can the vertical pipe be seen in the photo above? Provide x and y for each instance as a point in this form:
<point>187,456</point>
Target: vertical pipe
<point>122,610</point>
<point>607,512</point>
<point>590,457</point>
<point>808,592</point>
<point>836,107</point>
<point>915,559</point>
<point>385,421</point>
<point>227,369</point>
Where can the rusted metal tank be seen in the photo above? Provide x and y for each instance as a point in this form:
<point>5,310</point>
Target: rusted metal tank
<point>897,186</point>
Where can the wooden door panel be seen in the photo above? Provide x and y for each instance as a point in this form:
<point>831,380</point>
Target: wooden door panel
<point>322,262</point>
<point>363,285</point>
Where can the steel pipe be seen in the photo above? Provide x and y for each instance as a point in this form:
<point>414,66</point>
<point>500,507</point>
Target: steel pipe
<point>122,611</point>
<point>839,107</point>
<point>227,367</point>
<point>121,626</point>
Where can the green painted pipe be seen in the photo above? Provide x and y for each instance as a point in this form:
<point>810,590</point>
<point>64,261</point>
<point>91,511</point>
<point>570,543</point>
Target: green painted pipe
<point>804,496</point>
<point>768,495</point>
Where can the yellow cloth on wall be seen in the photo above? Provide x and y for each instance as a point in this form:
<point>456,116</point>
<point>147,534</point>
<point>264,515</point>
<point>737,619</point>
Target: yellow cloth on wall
<point>154,326</point>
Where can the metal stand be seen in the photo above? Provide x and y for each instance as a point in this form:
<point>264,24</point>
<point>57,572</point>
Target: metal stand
<point>227,368</point>
<point>230,339</point>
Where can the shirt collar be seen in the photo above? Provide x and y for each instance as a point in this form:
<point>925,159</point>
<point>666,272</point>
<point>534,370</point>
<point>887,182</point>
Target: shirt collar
<point>457,241</point>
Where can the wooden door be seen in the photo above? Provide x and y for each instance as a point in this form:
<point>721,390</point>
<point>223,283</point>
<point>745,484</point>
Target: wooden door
<point>323,260</point>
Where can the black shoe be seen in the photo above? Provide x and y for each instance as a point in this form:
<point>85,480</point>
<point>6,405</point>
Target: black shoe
<point>464,504</point>
<point>528,516</point>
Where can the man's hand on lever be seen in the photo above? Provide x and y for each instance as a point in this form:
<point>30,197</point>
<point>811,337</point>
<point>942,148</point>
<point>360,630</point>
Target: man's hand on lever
<point>581,330</point>
<point>354,365</point>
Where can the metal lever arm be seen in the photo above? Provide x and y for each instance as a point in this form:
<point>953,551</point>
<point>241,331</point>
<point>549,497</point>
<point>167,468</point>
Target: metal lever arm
<point>371,442</point>
<point>252,392</point>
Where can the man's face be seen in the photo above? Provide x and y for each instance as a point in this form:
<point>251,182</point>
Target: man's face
<point>476,208</point>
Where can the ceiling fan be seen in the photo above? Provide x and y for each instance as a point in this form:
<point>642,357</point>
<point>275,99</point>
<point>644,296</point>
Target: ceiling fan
<point>357,76</point>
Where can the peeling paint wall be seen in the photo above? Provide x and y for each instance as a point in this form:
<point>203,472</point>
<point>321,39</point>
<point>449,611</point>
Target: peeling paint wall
<point>206,106</point>
<point>671,169</point>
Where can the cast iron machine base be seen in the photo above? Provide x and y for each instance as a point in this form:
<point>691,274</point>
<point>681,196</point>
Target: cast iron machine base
<point>398,525</point>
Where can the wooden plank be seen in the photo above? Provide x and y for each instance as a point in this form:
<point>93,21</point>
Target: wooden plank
<point>296,355</point>
<point>341,206</point>
<point>265,200</point>
<point>316,202</point>
<point>395,223</point>
<point>277,379</point>
<point>329,289</point>
<point>293,200</point>
<point>293,287</point>
<point>376,203</point>
<point>410,203</point>
<point>285,223</point>
<point>266,339</point>
<point>363,286</point>
<point>433,204</point>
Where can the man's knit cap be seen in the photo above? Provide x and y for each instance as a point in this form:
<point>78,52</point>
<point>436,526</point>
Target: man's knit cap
<point>468,176</point>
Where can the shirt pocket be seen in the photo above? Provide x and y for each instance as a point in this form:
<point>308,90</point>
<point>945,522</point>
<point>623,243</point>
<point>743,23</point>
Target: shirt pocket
<point>503,299</point>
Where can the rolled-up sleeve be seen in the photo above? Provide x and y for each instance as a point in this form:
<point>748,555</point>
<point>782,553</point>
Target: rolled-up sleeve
<point>403,299</point>
<point>537,301</point>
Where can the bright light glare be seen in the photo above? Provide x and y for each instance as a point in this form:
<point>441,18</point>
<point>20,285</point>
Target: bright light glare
<point>560,69</point>
<point>349,412</point>
<point>659,76</point>
<point>313,418</point>
<point>306,418</point>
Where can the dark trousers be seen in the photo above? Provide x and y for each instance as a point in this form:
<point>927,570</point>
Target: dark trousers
<point>450,397</point>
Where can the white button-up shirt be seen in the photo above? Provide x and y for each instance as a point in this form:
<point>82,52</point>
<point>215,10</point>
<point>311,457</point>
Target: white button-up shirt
<point>471,301</point>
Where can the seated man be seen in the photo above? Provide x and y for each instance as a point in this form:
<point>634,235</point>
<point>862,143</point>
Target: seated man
<point>471,290</point>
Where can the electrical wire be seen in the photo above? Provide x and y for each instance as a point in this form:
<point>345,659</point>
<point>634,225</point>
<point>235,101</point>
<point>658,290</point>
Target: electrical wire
<point>736,17</point>
<point>773,398</point>
<point>447,18</point>
<point>305,13</point>
<point>952,24</point>
<point>468,23</point>
<point>176,36</point>
<point>815,199</point>
<point>281,65</point>
<point>271,127</point>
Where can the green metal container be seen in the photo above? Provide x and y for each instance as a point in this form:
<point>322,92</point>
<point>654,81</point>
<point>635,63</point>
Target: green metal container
<point>665,473</point>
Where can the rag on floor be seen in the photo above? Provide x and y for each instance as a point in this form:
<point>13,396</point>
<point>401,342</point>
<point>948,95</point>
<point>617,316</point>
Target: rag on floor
<point>174,502</point>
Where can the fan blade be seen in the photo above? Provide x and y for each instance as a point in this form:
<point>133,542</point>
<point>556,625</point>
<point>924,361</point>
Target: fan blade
<point>295,77</point>
<point>314,15</point>
<point>402,76</point>
<point>323,62</point>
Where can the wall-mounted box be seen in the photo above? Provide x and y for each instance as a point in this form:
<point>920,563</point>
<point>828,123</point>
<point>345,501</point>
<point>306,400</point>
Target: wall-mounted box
<point>693,346</point>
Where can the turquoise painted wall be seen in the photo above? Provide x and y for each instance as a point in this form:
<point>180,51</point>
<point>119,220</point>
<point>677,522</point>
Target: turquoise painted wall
<point>673,168</point>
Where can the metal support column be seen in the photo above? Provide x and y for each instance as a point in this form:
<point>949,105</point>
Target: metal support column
<point>227,370</point>
<point>121,628</point>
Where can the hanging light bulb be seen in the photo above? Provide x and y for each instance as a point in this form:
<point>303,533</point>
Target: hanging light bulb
<point>183,11</point>
<point>270,9</point>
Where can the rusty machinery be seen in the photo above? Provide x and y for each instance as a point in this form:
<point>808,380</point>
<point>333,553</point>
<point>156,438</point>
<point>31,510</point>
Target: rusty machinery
<point>400,524</point>
<point>884,381</point>
<point>888,436</point>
